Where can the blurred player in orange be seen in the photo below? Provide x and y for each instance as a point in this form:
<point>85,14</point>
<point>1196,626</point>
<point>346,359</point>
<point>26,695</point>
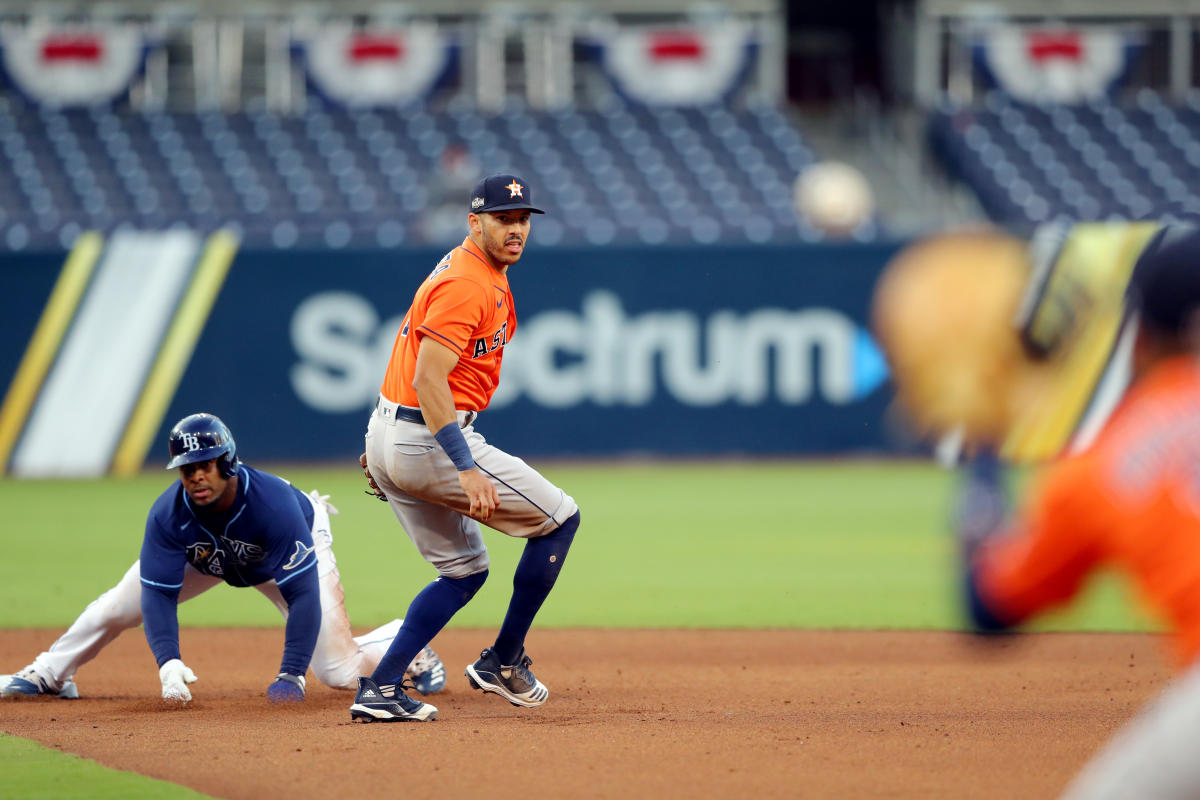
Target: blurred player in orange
<point>1131,500</point>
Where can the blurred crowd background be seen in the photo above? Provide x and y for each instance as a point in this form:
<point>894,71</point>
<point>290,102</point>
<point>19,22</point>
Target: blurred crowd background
<point>725,180</point>
<point>641,121</point>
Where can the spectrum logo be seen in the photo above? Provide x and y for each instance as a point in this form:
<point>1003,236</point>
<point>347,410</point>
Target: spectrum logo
<point>603,355</point>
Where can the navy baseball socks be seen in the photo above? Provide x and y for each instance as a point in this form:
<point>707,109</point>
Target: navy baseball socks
<point>428,613</point>
<point>503,669</point>
<point>535,576</point>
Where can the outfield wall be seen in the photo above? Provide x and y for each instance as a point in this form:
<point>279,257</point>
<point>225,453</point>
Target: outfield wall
<point>666,351</point>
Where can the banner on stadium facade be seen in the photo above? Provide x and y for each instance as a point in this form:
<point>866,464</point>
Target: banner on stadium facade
<point>1055,64</point>
<point>676,66</point>
<point>661,351</point>
<point>364,67</point>
<point>74,65</point>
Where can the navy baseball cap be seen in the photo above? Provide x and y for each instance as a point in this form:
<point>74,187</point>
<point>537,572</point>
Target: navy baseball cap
<point>1165,285</point>
<point>502,192</point>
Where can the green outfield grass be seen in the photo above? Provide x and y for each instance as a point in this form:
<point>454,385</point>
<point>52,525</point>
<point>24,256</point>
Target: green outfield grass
<point>28,770</point>
<point>731,545</point>
<point>849,544</point>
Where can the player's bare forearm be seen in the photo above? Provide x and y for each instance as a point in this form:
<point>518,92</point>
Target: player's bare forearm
<point>430,380</point>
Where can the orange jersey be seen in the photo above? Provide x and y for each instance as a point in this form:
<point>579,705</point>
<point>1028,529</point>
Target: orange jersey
<point>1131,500</point>
<point>465,304</point>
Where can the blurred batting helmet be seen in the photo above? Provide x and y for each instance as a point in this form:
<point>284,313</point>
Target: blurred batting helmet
<point>200,437</point>
<point>1165,287</point>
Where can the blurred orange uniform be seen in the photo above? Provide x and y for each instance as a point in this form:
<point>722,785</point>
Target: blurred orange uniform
<point>1131,500</point>
<point>466,305</point>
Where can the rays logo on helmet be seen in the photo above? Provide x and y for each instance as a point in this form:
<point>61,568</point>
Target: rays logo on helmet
<point>200,437</point>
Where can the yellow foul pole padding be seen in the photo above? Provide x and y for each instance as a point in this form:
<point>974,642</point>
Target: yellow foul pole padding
<point>47,338</point>
<point>175,353</point>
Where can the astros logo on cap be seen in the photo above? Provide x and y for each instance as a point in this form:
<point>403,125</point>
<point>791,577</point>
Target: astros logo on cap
<point>490,195</point>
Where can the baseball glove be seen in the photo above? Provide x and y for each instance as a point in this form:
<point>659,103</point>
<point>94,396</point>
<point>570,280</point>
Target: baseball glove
<point>373,486</point>
<point>943,313</point>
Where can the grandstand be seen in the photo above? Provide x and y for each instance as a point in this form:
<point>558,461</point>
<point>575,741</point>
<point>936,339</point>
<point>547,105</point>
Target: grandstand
<point>225,128</point>
<point>667,138</point>
<point>1033,164</point>
<point>1065,110</point>
<point>224,122</point>
<point>331,177</point>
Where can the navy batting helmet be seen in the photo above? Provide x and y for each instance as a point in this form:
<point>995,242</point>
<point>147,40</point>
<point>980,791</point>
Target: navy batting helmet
<point>1165,286</point>
<point>200,437</point>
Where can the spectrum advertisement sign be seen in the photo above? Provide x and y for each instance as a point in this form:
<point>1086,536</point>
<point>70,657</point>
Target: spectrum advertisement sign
<point>672,352</point>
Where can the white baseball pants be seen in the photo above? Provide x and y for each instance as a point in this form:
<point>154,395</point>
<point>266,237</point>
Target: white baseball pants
<point>1154,756</point>
<point>422,488</point>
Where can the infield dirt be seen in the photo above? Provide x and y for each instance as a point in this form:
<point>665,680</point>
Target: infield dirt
<point>632,714</point>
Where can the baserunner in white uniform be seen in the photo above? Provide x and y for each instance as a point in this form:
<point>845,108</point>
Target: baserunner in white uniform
<point>225,522</point>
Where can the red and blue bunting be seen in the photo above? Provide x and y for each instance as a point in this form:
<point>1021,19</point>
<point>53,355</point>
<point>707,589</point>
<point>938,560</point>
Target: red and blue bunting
<point>676,66</point>
<point>360,67</point>
<point>74,65</point>
<point>1055,64</point>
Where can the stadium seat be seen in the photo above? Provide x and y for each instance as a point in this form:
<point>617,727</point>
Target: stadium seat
<point>344,178</point>
<point>1097,161</point>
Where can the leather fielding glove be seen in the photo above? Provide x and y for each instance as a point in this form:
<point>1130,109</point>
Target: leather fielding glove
<point>175,676</point>
<point>374,487</point>
<point>942,312</point>
<point>287,688</point>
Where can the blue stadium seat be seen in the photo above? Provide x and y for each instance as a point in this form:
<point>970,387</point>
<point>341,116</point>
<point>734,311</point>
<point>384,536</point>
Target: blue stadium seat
<point>1096,161</point>
<point>337,178</point>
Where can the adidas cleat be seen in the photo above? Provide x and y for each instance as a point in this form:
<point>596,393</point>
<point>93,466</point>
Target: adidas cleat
<point>515,683</point>
<point>388,703</point>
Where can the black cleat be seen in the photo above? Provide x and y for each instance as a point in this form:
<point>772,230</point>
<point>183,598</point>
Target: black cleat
<point>388,703</point>
<point>515,683</point>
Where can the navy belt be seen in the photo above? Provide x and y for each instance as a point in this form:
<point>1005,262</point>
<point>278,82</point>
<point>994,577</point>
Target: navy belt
<point>410,414</point>
<point>414,414</point>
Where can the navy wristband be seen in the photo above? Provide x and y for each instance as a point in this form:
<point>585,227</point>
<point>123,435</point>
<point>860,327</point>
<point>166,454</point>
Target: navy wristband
<point>455,444</point>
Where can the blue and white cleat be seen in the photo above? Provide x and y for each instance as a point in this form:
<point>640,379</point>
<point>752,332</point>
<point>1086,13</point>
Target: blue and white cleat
<point>388,703</point>
<point>27,683</point>
<point>427,672</point>
<point>515,682</point>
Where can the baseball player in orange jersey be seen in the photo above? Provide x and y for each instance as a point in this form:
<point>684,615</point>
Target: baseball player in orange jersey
<point>1131,500</point>
<point>441,478</point>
